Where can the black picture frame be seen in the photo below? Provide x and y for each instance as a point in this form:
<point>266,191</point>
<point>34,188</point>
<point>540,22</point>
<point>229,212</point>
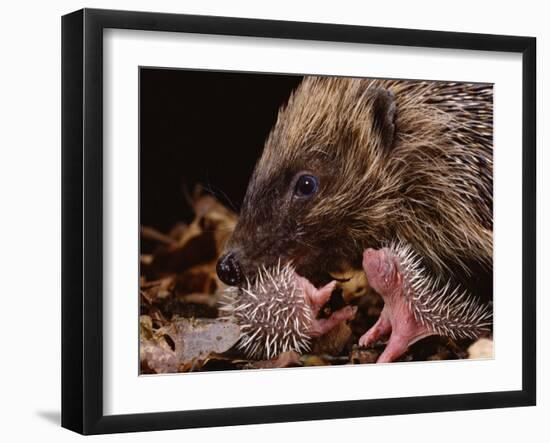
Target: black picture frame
<point>82,218</point>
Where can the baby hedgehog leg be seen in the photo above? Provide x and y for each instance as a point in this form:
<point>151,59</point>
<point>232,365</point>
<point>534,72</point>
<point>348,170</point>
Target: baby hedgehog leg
<point>416,305</point>
<point>316,299</point>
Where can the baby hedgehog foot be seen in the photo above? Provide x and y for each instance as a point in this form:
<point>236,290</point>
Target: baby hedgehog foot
<point>415,305</point>
<point>316,299</point>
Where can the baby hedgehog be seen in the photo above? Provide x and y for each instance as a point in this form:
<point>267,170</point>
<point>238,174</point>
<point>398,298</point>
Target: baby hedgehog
<point>417,305</point>
<point>276,312</point>
<point>354,164</point>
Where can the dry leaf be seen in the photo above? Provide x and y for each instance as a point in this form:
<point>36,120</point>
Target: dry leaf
<point>333,342</point>
<point>284,360</point>
<point>185,343</point>
<point>361,355</point>
<point>157,357</point>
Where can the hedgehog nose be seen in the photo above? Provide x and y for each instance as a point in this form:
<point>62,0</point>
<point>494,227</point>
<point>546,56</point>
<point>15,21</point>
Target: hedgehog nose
<point>229,270</point>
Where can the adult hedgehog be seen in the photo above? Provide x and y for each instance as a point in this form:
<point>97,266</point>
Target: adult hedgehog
<point>356,165</point>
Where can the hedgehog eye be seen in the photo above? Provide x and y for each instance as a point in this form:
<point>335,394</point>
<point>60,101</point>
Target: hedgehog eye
<point>306,186</point>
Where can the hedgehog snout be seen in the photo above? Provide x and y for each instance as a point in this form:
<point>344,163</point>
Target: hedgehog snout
<point>229,269</point>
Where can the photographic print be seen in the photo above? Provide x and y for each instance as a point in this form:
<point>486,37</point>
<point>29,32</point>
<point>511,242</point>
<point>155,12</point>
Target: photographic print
<point>300,220</point>
<point>256,204</point>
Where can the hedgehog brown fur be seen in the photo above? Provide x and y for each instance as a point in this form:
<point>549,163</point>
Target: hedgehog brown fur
<point>431,185</point>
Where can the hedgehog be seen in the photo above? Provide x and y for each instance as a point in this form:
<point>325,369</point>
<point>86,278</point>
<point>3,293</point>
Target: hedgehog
<point>354,164</point>
<point>276,312</point>
<point>426,305</point>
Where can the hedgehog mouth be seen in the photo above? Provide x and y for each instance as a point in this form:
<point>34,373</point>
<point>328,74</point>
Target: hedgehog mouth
<point>316,272</point>
<point>317,277</point>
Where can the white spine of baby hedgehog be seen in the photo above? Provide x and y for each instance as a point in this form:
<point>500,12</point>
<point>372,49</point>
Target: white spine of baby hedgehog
<point>445,309</point>
<point>273,313</point>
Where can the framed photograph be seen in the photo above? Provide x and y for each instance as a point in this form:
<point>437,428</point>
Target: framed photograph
<point>269,221</point>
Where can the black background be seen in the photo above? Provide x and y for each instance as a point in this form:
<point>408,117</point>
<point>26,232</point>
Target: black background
<point>202,127</point>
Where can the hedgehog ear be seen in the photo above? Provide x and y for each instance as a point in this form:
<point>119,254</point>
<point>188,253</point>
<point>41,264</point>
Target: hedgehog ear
<point>384,115</point>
